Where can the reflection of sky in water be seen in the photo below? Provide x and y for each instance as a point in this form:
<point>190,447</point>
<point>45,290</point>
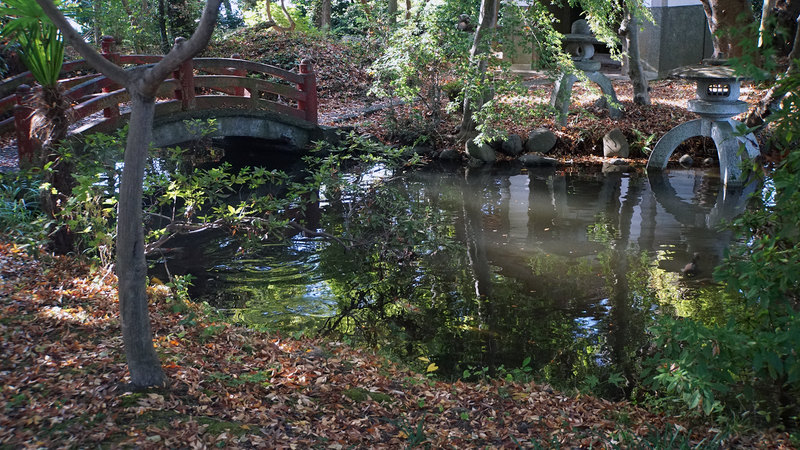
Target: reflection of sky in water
<point>364,180</point>
<point>318,300</point>
<point>580,233</point>
<point>588,322</point>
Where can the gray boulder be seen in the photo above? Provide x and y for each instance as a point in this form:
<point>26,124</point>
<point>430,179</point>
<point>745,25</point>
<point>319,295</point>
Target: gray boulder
<point>512,145</point>
<point>686,161</point>
<point>481,152</point>
<point>449,154</point>
<point>541,140</point>
<point>615,145</point>
<point>537,161</point>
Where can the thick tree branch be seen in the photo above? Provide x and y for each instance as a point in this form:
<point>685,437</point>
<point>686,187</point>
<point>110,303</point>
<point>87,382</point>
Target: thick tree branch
<point>186,49</point>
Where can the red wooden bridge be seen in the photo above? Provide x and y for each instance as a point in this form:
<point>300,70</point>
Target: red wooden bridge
<point>200,88</point>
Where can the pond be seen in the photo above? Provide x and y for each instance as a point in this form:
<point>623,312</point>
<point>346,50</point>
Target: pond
<point>478,270</point>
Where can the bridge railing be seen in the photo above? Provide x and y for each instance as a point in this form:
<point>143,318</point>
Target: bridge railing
<point>198,84</point>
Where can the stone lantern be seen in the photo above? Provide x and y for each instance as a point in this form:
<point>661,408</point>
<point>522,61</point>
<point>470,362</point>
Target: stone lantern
<point>580,45</point>
<point>717,101</point>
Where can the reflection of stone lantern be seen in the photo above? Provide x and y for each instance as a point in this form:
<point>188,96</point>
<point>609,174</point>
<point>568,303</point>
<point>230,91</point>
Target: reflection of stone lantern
<point>717,101</point>
<point>580,45</point>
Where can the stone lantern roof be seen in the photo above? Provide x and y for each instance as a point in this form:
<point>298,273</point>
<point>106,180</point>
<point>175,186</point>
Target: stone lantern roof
<point>580,32</point>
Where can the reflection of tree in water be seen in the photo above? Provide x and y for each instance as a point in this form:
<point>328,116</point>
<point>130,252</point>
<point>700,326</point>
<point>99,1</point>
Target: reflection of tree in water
<point>490,270</point>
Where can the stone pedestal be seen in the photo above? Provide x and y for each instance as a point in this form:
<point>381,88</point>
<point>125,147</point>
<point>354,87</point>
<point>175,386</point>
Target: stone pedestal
<point>580,45</point>
<point>679,37</point>
<point>717,101</point>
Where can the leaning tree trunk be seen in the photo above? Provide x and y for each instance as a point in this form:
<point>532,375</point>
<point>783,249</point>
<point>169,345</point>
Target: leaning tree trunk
<point>143,362</point>
<point>630,29</point>
<point>142,84</point>
<point>488,21</point>
<point>723,17</point>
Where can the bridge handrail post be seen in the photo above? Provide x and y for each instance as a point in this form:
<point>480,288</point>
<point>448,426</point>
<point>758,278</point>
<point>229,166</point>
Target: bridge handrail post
<point>239,91</point>
<point>107,45</point>
<point>309,86</point>
<point>23,112</point>
<point>185,76</point>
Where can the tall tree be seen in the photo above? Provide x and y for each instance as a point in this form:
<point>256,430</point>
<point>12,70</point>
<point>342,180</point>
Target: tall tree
<point>725,16</point>
<point>325,15</point>
<point>629,29</point>
<point>477,56</point>
<point>142,84</point>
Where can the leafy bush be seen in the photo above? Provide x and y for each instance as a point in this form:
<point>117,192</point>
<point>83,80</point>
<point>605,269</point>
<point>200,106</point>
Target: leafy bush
<point>20,219</point>
<point>750,363</point>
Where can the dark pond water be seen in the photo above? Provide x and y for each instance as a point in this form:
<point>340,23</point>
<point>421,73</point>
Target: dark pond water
<point>477,269</point>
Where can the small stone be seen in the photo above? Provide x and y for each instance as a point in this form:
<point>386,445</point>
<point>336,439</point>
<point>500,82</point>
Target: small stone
<point>615,144</point>
<point>686,161</point>
<point>512,145</point>
<point>708,162</point>
<point>540,140</point>
<point>537,161</point>
<point>449,154</point>
<point>482,152</point>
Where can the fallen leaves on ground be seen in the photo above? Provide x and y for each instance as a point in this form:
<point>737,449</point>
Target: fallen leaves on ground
<point>63,378</point>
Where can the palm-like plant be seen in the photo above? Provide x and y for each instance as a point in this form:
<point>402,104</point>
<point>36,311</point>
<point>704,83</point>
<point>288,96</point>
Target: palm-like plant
<point>41,49</point>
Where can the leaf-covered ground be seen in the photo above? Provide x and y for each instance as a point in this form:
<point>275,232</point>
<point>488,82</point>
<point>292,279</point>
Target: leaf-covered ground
<point>63,375</point>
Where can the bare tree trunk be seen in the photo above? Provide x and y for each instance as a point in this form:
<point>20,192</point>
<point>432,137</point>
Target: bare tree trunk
<point>488,21</point>
<point>143,362</point>
<point>724,16</point>
<point>393,11</point>
<point>162,26</point>
<point>142,84</point>
<point>325,15</point>
<point>767,11</point>
<point>630,29</point>
<point>96,6</point>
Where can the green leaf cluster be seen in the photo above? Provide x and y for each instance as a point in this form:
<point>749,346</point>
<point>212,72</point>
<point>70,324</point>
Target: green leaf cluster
<point>41,45</point>
<point>750,363</point>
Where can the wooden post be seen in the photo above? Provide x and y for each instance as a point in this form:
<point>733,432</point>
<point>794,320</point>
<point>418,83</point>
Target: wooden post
<point>239,91</point>
<point>310,88</point>
<point>185,77</point>
<point>107,45</point>
<point>23,112</point>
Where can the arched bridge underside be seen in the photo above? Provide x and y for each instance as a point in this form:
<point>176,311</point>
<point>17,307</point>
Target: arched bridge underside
<point>247,99</point>
<point>170,127</point>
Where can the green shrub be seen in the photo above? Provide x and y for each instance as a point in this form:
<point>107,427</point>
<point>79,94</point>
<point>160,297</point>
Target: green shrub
<point>750,363</point>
